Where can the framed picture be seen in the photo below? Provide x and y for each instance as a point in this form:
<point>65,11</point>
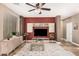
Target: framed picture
<point>75,26</point>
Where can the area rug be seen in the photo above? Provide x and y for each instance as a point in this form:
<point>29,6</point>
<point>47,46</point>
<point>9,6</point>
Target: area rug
<point>37,47</point>
<point>50,49</point>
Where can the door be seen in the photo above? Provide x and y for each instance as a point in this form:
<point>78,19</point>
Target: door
<point>69,31</point>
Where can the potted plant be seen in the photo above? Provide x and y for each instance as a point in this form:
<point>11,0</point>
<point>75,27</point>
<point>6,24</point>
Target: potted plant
<point>13,34</point>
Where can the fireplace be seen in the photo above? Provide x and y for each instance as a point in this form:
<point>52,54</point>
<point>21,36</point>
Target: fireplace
<point>39,27</point>
<point>40,32</point>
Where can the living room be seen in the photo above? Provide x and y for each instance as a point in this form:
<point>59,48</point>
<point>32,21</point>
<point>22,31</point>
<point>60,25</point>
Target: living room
<point>45,29</point>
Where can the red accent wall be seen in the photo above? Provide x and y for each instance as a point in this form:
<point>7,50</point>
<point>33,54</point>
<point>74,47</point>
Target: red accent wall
<point>37,20</point>
<point>40,19</point>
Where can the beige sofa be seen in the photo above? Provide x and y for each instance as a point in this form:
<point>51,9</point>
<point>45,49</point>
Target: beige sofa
<point>9,45</point>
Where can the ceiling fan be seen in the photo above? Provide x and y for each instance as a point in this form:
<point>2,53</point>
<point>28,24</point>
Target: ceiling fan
<point>38,6</point>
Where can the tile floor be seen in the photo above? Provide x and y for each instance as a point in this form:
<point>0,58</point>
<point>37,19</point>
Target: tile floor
<point>70,47</point>
<point>51,49</point>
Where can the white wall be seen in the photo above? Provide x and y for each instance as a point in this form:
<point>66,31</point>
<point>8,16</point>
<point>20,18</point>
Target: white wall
<point>75,33</point>
<point>1,23</point>
<point>51,27</point>
<point>7,18</point>
<point>29,27</point>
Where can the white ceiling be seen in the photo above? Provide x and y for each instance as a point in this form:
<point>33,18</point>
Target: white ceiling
<point>63,9</point>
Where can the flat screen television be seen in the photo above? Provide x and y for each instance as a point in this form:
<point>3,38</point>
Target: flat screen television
<point>40,32</point>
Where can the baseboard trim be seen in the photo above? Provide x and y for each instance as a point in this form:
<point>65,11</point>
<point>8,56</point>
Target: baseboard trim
<point>75,43</point>
<point>72,42</point>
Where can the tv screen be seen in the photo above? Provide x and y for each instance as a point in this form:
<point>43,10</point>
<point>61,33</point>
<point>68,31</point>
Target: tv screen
<point>40,32</point>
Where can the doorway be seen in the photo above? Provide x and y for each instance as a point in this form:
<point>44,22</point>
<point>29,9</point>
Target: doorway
<point>69,31</point>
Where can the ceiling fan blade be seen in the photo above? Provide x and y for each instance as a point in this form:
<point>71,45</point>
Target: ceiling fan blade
<point>42,4</point>
<point>31,10</point>
<point>37,5</point>
<point>30,4</point>
<point>48,9</point>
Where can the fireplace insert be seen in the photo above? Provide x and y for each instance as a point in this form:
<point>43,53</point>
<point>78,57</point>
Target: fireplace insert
<point>40,32</point>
